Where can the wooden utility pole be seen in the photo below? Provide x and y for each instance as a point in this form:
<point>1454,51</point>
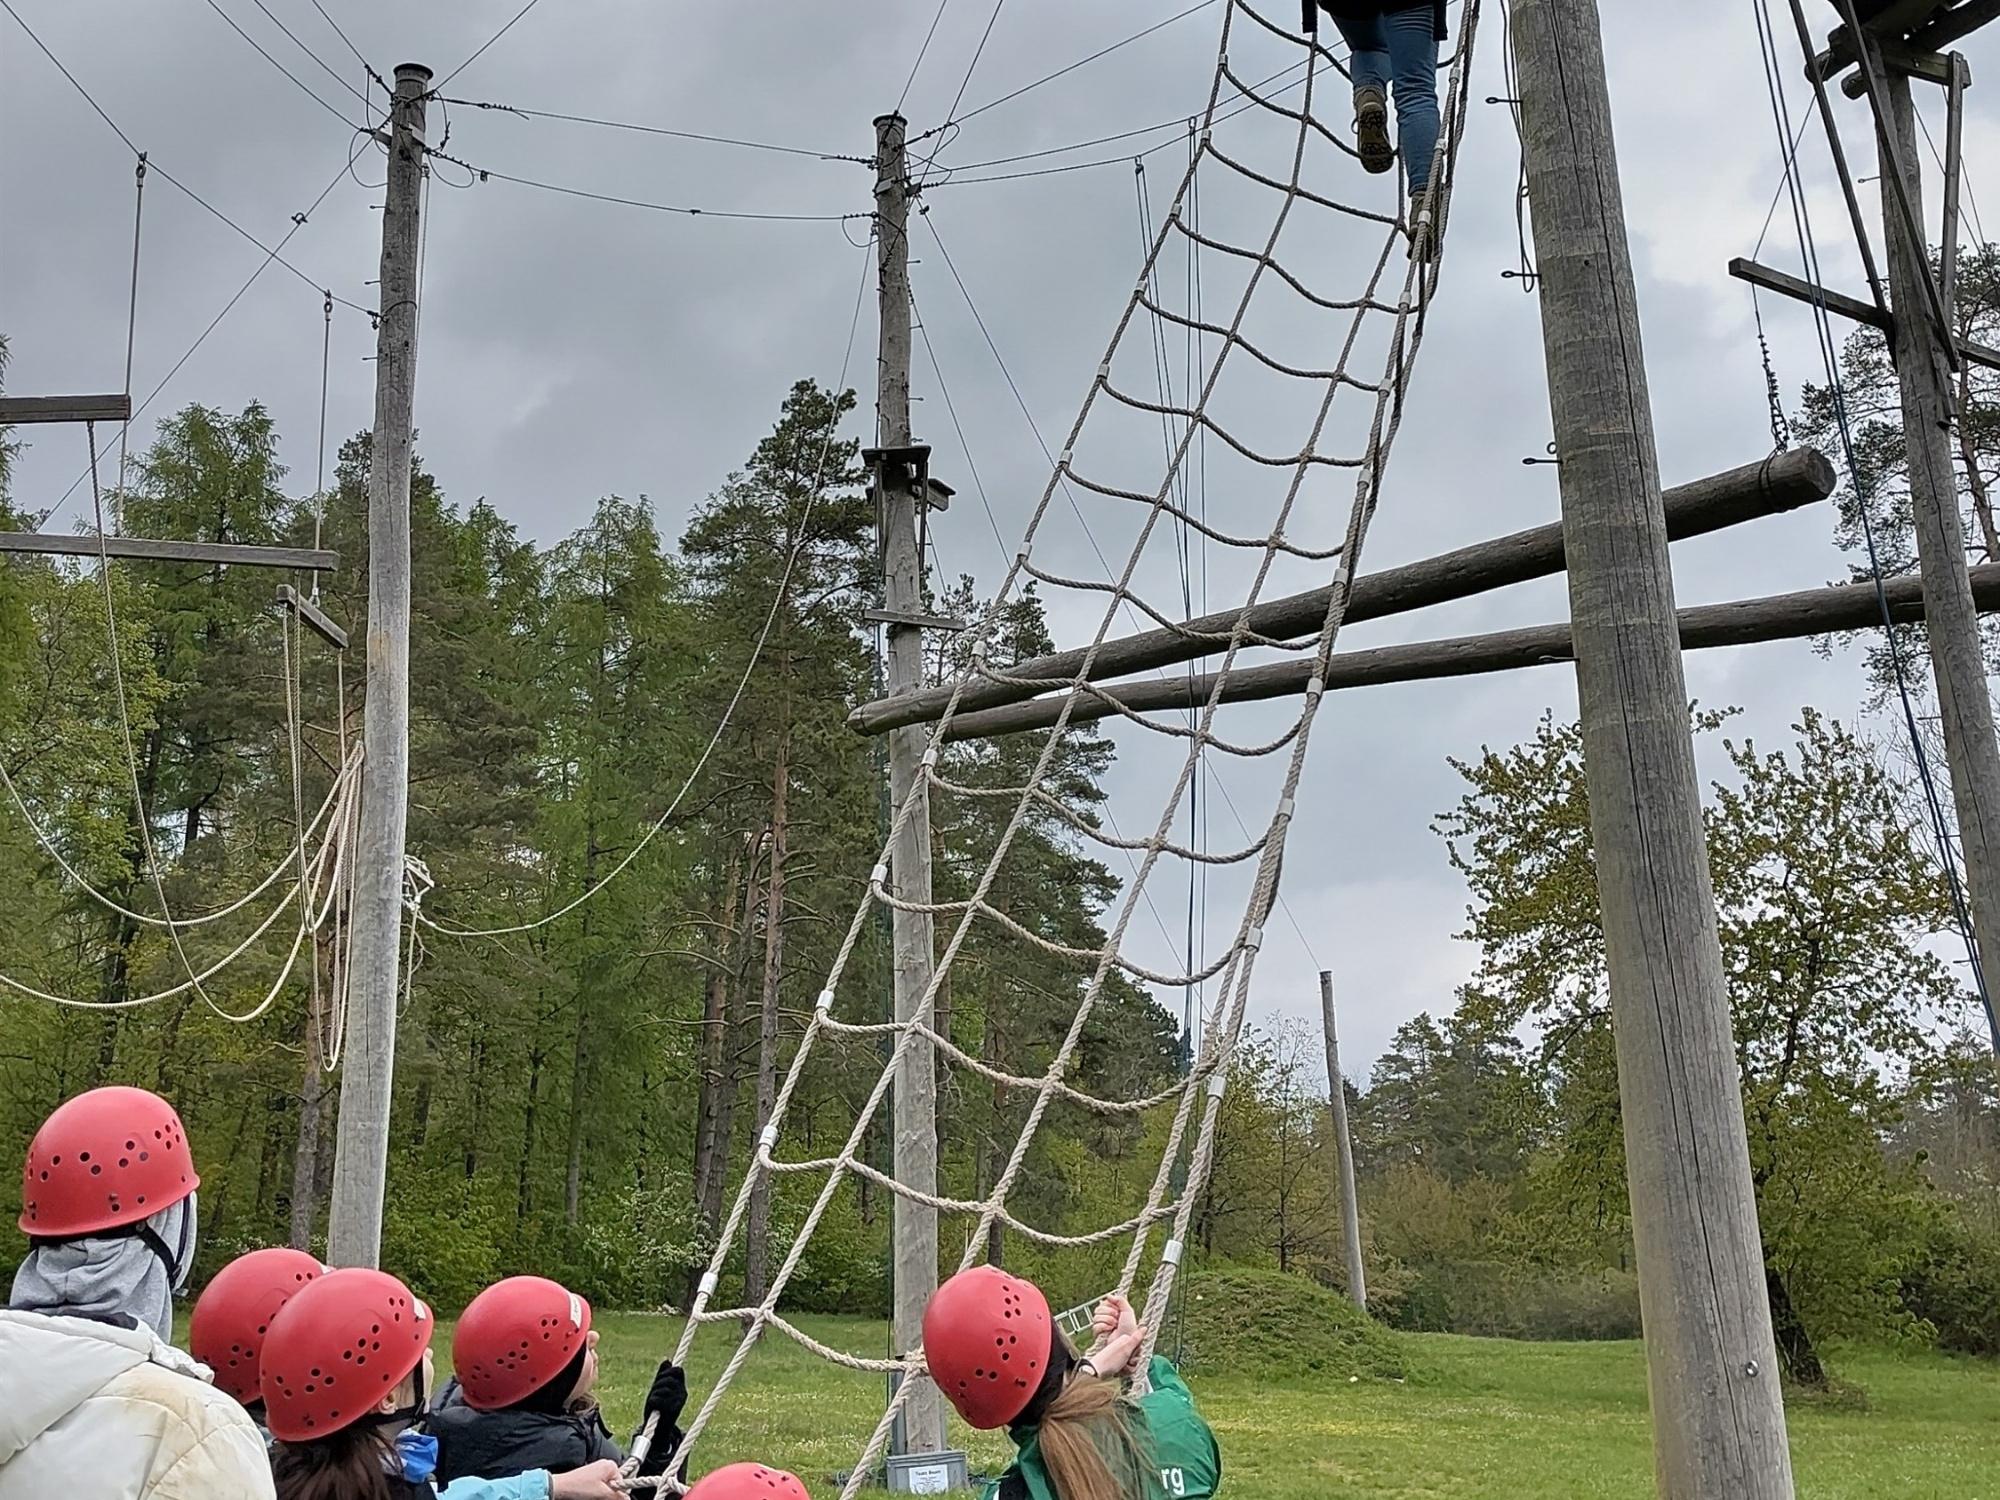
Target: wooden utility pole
<point>1951,618</point>
<point>900,494</point>
<point>1343,1141</point>
<point>361,1152</point>
<point>1718,1415</point>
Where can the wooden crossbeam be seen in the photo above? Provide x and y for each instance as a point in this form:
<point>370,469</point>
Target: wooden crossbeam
<point>1769,487</point>
<point>312,617</point>
<point>23,411</point>
<point>1775,617</point>
<point>1787,285</point>
<point>1912,47</point>
<point>146,549</point>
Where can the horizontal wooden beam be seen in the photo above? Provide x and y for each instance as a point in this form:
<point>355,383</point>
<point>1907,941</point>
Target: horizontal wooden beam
<point>1788,285</point>
<point>144,549</point>
<point>1922,32</point>
<point>22,411</point>
<point>1783,482</point>
<point>312,617</point>
<point>1956,24</point>
<point>1776,617</point>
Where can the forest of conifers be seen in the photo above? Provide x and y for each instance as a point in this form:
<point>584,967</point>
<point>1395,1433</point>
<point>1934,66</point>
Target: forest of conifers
<point>578,1097</point>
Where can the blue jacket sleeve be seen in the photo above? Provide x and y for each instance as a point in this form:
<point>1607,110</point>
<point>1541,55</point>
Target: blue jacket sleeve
<point>533,1485</point>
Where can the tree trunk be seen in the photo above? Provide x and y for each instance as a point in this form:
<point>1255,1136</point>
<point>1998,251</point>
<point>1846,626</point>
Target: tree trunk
<point>1795,1344</point>
<point>756,1272</point>
<point>312,1101</point>
<point>477,1133</point>
<point>714,1037</point>
<point>124,931</point>
<point>734,1028</point>
<point>579,1078</point>
<point>524,1181</point>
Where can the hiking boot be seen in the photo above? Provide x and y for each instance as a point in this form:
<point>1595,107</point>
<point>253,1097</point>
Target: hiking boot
<point>1371,129</point>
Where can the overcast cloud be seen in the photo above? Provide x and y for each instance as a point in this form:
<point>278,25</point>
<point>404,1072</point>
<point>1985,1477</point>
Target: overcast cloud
<point>572,348</point>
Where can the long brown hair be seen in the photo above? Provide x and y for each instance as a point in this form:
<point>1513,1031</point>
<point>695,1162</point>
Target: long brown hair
<point>354,1463</point>
<point>1089,1444</point>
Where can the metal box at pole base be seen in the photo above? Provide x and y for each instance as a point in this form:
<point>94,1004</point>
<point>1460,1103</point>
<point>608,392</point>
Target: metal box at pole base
<point>921,1473</point>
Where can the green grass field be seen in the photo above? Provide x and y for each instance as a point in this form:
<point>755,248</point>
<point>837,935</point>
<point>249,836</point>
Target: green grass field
<point>1482,1418</point>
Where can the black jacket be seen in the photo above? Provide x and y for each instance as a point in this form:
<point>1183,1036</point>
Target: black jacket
<point>500,1444</point>
<point>1362,9</point>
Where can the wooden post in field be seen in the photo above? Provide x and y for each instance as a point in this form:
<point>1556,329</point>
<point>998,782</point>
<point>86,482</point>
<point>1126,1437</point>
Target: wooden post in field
<point>1343,1140</point>
<point>1718,1415</point>
<point>361,1151</point>
<point>901,493</point>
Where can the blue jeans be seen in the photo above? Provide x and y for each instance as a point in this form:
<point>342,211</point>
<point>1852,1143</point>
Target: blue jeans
<point>1400,47</point>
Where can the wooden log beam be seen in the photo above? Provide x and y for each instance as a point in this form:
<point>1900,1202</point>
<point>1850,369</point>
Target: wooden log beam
<point>1853,308</point>
<point>1933,32</point>
<point>26,410</point>
<point>146,549</point>
<point>1780,483</point>
<point>1775,617</point>
<point>312,617</point>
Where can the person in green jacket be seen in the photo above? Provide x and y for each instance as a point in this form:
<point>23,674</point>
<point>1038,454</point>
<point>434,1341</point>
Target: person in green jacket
<point>994,1350</point>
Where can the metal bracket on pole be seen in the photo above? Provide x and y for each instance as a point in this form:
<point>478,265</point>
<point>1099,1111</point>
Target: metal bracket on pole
<point>920,621</point>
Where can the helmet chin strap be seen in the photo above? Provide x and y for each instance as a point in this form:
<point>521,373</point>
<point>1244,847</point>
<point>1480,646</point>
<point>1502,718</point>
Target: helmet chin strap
<point>178,1259</point>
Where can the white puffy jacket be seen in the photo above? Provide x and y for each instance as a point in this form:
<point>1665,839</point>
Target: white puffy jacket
<point>89,1411</point>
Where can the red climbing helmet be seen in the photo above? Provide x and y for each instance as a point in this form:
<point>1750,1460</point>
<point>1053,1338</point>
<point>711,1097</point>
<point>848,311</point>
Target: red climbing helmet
<point>105,1159</point>
<point>336,1349</point>
<point>748,1482</point>
<point>234,1312</point>
<point>987,1336</point>
<point>514,1338</point>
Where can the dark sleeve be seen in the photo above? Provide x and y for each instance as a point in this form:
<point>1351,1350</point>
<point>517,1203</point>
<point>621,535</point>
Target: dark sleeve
<point>599,1442</point>
<point>1012,1487</point>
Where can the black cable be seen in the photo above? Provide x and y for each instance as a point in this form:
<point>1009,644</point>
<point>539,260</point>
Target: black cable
<point>366,65</point>
<point>950,177</point>
<point>271,256</point>
<point>951,409</point>
<point>325,67</point>
<point>910,82</point>
<point>1836,387</point>
<point>977,53</point>
<point>297,82</point>
<point>1201,5</point>
<point>154,164</point>
<point>679,135</point>
<point>487,43</point>
<point>485,174</point>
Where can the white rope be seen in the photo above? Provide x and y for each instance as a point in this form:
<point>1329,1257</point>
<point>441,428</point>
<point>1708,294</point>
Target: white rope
<point>779,594</point>
<point>1223,1027</point>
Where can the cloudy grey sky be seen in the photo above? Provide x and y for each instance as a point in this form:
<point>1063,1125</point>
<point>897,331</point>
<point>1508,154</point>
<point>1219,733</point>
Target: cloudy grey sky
<point>573,348</point>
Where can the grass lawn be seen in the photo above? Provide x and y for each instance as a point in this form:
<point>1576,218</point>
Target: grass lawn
<point>1484,1418</point>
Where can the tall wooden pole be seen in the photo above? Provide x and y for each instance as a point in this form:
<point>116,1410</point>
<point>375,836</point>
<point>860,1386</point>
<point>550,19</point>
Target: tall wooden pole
<point>1718,1415</point>
<point>361,1152</point>
<point>899,493</point>
<point>1950,616</point>
<point>1343,1141</point>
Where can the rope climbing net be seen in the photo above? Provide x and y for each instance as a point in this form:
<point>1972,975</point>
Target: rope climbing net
<point>1280,513</point>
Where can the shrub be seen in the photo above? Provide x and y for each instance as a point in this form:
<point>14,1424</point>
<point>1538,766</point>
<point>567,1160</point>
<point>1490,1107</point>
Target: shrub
<point>1268,1323</point>
<point>1955,1288</point>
